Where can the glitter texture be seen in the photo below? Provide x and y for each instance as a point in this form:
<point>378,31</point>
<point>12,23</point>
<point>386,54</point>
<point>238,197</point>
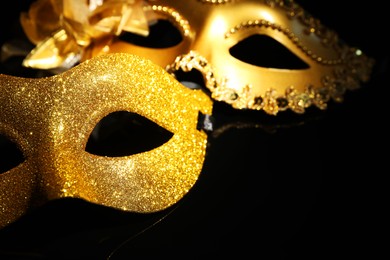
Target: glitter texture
<point>52,118</point>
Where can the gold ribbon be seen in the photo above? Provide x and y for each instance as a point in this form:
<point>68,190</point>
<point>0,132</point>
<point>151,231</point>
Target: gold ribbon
<point>63,29</point>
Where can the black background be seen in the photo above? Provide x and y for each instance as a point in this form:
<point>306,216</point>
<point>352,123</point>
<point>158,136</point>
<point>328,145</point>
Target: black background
<point>308,186</point>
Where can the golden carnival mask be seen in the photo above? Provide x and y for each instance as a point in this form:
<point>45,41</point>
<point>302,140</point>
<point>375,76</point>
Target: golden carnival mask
<point>50,119</point>
<point>234,44</point>
<point>266,55</point>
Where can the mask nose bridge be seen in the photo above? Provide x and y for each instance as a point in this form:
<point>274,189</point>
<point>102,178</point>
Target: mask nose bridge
<point>56,150</point>
<point>53,183</point>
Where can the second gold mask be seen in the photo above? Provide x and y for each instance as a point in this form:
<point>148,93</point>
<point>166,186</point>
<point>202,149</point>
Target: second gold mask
<point>212,31</point>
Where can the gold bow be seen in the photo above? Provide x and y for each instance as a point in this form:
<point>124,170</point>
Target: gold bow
<point>63,29</point>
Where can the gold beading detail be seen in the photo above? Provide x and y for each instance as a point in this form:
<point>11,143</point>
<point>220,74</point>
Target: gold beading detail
<point>264,23</point>
<point>215,1</point>
<point>272,102</point>
<point>177,18</point>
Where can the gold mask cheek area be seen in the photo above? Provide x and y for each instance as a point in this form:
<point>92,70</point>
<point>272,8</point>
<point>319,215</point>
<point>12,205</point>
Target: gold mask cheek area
<point>51,119</point>
<point>254,54</point>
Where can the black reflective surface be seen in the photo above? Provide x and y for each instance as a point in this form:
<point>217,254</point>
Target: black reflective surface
<point>308,186</point>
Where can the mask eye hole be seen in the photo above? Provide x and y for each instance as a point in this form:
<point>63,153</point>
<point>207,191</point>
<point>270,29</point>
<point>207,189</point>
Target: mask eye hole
<point>264,51</point>
<point>192,79</point>
<point>11,155</point>
<point>162,34</point>
<point>123,133</point>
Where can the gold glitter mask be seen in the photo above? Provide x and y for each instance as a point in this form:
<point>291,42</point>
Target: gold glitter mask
<point>264,55</point>
<point>50,119</point>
